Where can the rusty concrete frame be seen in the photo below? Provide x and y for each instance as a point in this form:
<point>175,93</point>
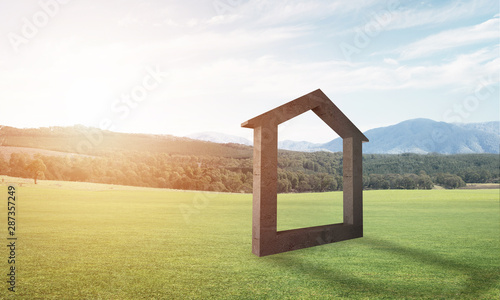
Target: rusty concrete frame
<point>266,239</point>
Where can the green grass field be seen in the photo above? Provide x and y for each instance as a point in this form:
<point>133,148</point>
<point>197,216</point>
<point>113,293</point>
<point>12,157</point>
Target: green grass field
<point>84,241</point>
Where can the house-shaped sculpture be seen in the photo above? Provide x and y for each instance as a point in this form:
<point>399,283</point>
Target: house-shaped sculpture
<point>266,239</point>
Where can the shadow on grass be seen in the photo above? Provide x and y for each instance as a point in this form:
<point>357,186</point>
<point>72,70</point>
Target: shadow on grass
<point>479,280</point>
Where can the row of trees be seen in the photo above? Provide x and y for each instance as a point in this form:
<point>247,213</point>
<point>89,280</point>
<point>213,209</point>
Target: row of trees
<point>398,181</point>
<point>297,172</point>
<point>163,171</point>
<point>471,168</point>
<point>289,181</point>
<point>136,169</point>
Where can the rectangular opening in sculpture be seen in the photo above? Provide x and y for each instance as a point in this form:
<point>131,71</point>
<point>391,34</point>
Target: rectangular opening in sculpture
<point>317,170</point>
<point>303,210</point>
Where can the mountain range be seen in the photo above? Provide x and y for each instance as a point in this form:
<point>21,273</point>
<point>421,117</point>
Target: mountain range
<point>411,136</point>
<point>217,137</point>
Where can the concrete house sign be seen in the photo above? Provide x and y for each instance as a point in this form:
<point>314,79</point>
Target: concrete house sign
<point>266,239</point>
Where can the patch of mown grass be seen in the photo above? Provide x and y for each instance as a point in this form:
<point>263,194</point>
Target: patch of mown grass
<point>140,244</point>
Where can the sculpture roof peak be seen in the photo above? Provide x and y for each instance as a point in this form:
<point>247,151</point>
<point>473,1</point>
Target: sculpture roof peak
<point>316,101</point>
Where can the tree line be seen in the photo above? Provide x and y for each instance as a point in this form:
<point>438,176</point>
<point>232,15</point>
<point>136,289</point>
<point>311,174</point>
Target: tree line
<point>297,171</point>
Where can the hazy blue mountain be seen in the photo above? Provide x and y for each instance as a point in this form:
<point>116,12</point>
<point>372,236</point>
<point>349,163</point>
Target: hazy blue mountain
<point>491,127</point>
<point>218,137</point>
<point>301,146</point>
<point>425,136</point>
<point>412,136</point>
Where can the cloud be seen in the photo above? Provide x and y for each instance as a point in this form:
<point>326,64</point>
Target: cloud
<point>391,61</point>
<point>262,13</point>
<point>461,72</point>
<point>231,90</point>
<point>402,18</point>
<point>273,78</point>
<point>272,13</point>
<point>484,32</point>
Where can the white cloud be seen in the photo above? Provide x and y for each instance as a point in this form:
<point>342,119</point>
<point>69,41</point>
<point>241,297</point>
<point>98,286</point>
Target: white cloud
<point>233,90</point>
<point>484,32</point>
<point>455,10</point>
<point>461,72</point>
<point>271,76</point>
<point>391,61</point>
<point>279,12</point>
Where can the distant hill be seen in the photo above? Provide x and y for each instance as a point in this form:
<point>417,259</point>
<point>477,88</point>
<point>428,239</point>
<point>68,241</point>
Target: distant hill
<point>491,127</point>
<point>222,138</point>
<point>302,146</point>
<point>425,136</point>
<point>92,141</point>
<point>421,136</point>
<point>218,137</point>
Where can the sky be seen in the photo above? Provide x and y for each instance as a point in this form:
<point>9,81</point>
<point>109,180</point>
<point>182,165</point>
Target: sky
<point>183,67</point>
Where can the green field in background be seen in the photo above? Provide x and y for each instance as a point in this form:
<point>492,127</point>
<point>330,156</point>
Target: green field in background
<point>102,243</point>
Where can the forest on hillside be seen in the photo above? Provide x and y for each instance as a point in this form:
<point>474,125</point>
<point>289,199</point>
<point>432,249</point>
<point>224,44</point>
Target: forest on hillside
<point>297,171</point>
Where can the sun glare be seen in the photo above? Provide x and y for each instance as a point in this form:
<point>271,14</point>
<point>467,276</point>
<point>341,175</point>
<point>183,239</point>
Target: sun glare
<point>87,100</point>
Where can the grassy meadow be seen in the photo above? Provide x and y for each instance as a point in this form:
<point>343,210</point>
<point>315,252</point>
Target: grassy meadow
<point>90,241</point>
